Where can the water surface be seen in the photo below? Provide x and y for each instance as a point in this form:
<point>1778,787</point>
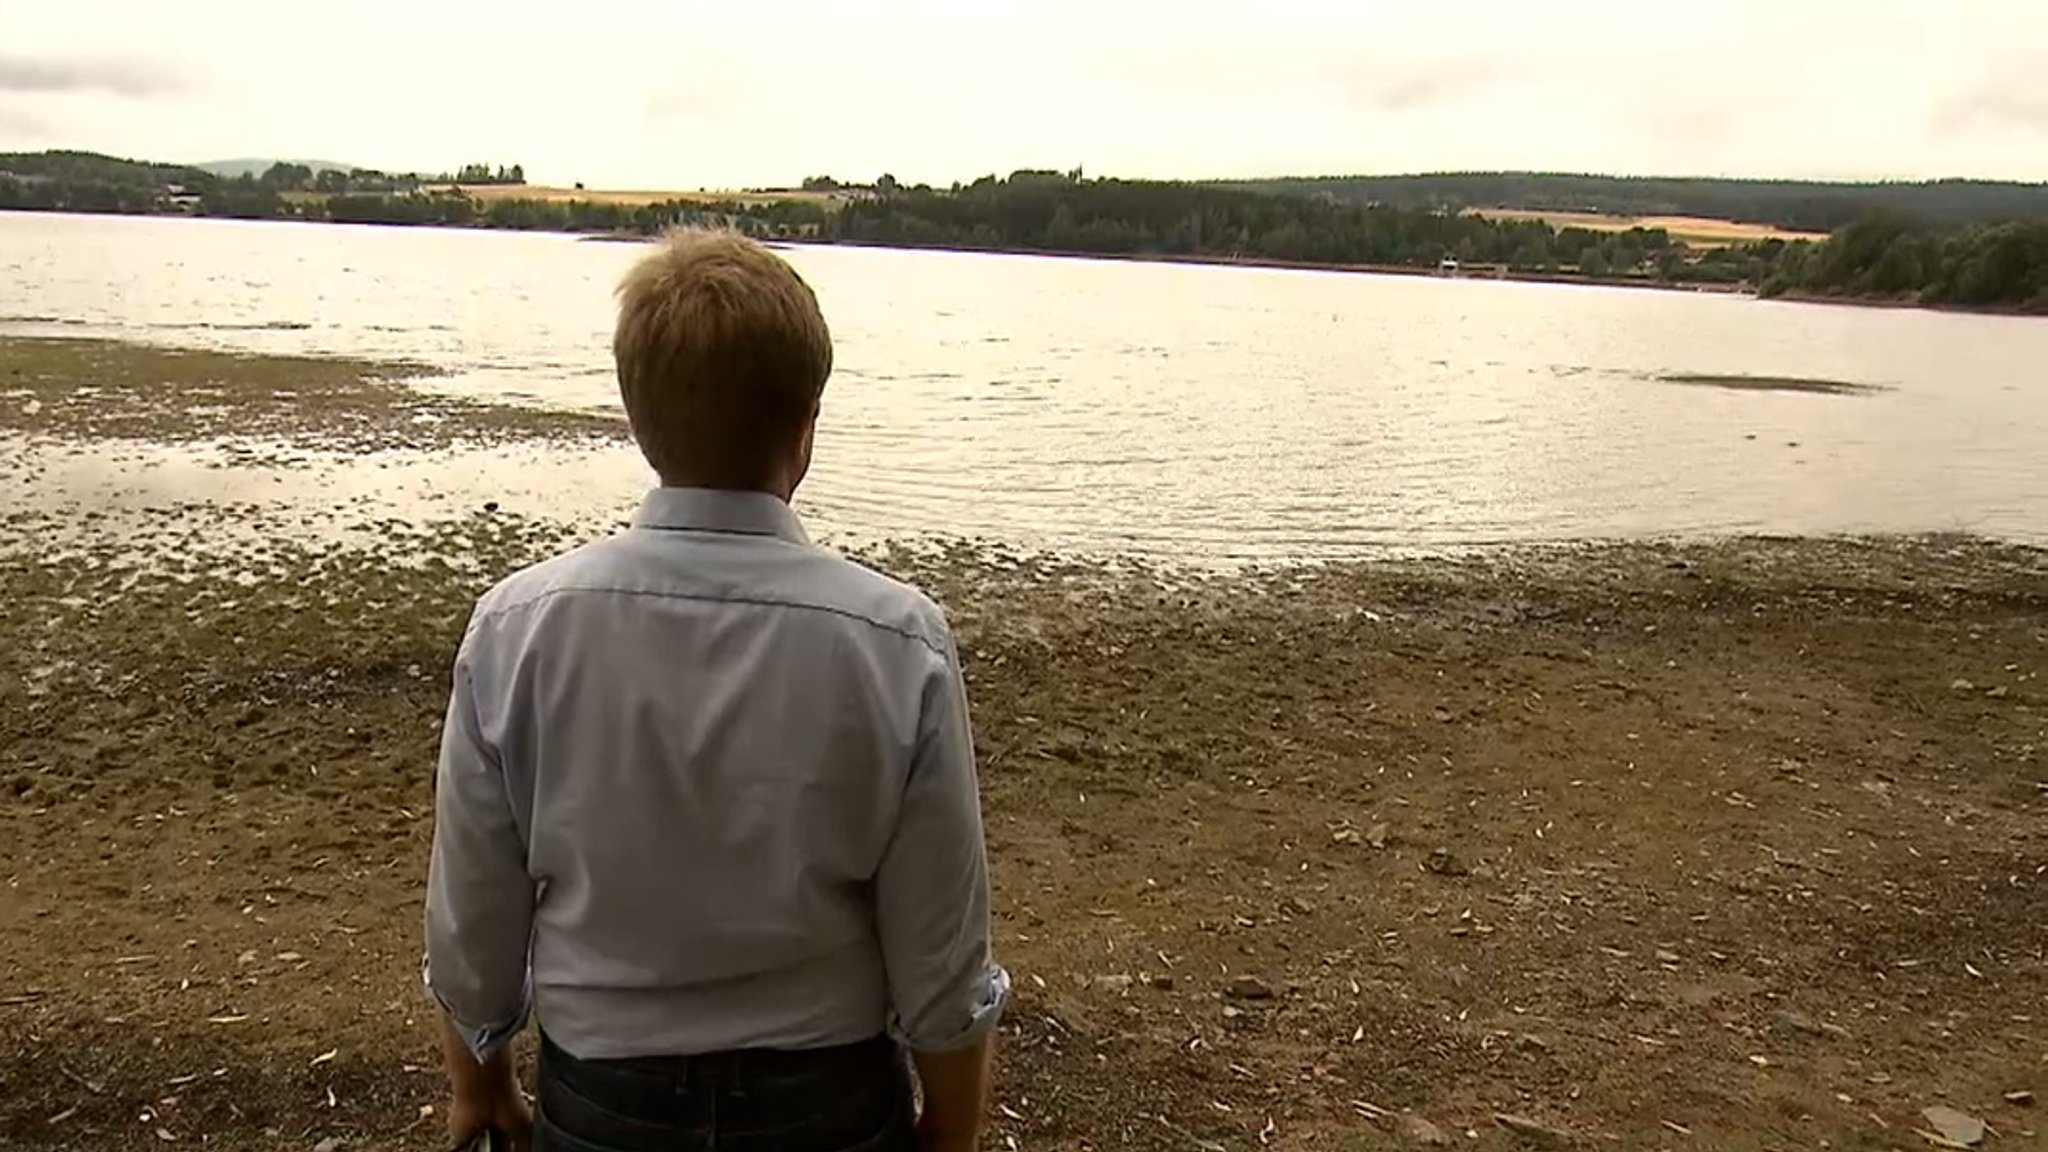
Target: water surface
<point>1194,412</point>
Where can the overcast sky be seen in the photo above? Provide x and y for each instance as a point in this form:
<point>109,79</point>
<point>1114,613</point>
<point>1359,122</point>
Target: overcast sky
<point>677,94</point>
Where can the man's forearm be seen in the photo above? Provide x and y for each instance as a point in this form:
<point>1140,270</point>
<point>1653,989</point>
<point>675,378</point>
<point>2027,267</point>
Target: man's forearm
<point>956,1087</point>
<point>491,1079</point>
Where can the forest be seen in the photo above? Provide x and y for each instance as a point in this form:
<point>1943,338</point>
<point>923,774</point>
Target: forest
<point>1890,257</point>
<point>1944,256</point>
<point>1793,205</point>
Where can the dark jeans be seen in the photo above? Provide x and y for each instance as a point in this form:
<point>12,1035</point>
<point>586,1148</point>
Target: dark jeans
<point>850,1099</point>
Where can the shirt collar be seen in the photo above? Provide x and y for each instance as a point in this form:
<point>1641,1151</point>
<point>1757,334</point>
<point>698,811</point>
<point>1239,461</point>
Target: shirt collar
<point>718,510</point>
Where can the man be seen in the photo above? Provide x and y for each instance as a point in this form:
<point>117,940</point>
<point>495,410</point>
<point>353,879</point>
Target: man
<point>706,803</point>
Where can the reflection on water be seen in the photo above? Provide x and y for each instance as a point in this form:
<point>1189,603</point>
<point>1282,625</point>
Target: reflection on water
<point>1161,409</point>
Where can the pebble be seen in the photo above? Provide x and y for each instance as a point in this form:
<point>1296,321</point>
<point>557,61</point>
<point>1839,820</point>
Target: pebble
<point>1417,1130</point>
<point>1444,862</point>
<point>1248,988</point>
<point>1532,1130</point>
<point>1957,1127</point>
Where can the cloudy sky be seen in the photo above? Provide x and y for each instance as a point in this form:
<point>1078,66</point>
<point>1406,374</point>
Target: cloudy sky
<point>679,94</point>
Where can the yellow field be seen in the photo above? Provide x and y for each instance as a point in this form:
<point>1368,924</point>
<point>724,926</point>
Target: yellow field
<point>1698,231</point>
<point>490,192</point>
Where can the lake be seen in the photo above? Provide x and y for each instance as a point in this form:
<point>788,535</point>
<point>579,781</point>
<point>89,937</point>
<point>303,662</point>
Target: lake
<point>1167,410</point>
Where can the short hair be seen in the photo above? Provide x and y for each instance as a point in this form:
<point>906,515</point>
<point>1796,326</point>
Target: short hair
<point>722,355</point>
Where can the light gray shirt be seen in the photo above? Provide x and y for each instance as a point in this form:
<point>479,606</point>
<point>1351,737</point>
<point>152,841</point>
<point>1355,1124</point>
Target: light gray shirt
<point>704,786</point>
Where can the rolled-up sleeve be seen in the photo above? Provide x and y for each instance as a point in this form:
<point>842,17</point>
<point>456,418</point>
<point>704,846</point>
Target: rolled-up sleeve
<point>932,892</point>
<point>480,898</point>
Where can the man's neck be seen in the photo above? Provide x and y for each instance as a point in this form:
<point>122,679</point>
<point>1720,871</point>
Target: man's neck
<point>783,493</point>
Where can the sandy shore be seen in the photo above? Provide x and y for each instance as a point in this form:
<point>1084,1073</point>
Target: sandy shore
<point>1736,845</point>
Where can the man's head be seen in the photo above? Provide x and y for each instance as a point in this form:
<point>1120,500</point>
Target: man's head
<point>722,355</point>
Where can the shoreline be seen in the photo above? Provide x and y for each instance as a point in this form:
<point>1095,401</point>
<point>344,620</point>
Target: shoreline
<point>1202,260</point>
<point>1223,261</point>
<point>1297,856</point>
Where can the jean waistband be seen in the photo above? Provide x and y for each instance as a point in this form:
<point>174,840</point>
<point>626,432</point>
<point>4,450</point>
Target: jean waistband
<point>841,1059</point>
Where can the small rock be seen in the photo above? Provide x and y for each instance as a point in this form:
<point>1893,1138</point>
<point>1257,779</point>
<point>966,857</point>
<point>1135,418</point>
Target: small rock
<point>1807,1025</point>
<point>1162,983</point>
<point>1444,862</point>
<point>1532,1131</point>
<point>490,505</point>
<point>1442,716</point>
<point>1998,693</point>
<point>1118,984</point>
<point>1377,835</point>
<point>1960,685</point>
<point>2022,1098</point>
<point>1530,1042</point>
<point>1248,988</point>
<point>331,1144</point>
<point>1344,836</point>
<point>1417,1130</point>
<point>1296,906</point>
<point>1797,1022</point>
<point>1666,956</point>
<point>1953,1126</point>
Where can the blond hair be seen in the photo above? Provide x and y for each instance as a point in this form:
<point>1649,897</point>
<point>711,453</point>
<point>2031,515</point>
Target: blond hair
<point>722,355</point>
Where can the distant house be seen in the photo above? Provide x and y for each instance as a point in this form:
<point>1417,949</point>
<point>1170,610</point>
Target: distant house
<point>1448,266</point>
<point>181,198</point>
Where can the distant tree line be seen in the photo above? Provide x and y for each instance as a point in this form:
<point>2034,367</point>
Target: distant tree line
<point>1886,255</point>
<point>1796,205</point>
<point>485,174</point>
<point>89,182</point>
<point>1062,212</point>
<point>1890,257</point>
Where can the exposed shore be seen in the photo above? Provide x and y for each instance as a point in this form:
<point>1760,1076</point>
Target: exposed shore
<point>1221,261</point>
<point>1735,845</point>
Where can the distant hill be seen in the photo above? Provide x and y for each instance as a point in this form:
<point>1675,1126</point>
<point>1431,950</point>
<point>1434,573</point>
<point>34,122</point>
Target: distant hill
<point>94,167</point>
<point>257,166</point>
<point>1798,205</point>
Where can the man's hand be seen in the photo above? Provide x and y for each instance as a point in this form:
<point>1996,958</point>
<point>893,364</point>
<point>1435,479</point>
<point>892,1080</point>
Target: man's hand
<point>955,1096</point>
<point>470,1117</point>
<point>486,1093</point>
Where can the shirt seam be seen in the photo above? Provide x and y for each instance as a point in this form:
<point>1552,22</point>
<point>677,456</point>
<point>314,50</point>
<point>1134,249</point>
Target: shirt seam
<point>708,530</point>
<point>934,646</point>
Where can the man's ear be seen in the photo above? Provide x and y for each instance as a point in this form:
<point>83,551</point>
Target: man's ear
<point>804,445</point>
